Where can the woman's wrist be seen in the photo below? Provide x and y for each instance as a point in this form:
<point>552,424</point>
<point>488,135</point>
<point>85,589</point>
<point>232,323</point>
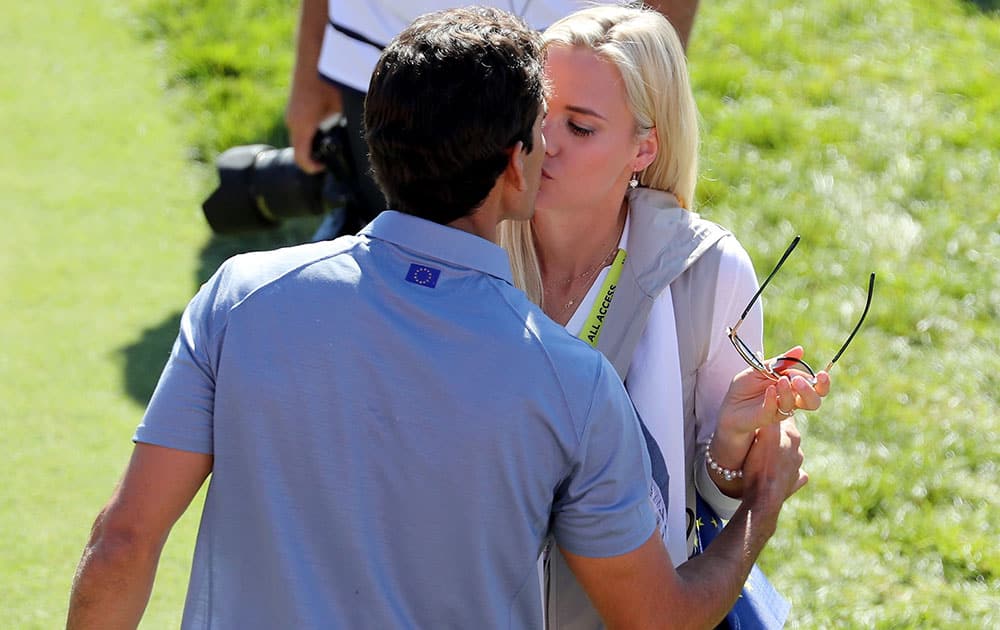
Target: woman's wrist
<point>729,474</point>
<point>729,447</point>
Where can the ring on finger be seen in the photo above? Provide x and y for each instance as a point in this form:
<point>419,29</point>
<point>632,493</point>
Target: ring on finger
<point>786,414</point>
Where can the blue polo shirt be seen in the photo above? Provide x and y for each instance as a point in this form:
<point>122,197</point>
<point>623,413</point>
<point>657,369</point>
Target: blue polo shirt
<point>395,430</point>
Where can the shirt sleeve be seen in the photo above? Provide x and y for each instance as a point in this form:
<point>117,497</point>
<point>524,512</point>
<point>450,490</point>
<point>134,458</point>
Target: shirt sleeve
<point>736,284</point>
<point>179,414</point>
<point>602,508</point>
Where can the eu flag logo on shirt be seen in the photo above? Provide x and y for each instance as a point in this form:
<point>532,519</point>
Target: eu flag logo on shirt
<point>423,275</point>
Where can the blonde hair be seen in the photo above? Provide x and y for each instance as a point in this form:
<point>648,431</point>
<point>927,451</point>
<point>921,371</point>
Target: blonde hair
<point>645,49</point>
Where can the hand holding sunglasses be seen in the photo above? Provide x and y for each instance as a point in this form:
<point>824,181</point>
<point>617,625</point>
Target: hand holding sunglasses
<point>755,401</point>
<point>770,369</point>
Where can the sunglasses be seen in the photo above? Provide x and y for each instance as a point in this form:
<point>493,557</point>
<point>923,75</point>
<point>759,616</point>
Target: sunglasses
<point>757,362</point>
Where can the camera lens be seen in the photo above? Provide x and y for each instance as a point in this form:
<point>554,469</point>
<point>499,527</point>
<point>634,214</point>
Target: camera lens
<point>259,186</point>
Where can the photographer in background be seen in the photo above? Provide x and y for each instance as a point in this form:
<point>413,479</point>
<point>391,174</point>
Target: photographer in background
<point>339,42</point>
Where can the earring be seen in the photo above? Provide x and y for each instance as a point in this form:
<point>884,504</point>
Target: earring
<point>634,182</point>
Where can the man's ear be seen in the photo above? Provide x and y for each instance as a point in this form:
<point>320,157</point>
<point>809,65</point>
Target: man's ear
<point>514,173</point>
<point>649,146</point>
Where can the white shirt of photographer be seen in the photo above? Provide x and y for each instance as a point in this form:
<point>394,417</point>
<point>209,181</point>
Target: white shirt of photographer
<point>349,52</point>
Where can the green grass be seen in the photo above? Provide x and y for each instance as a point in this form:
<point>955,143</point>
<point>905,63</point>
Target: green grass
<point>100,240</point>
<point>232,61</point>
<point>873,134</point>
<point>870,129</point>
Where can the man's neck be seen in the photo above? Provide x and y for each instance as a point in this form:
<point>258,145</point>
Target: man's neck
<point>475,223</point>
<point>483,221</point>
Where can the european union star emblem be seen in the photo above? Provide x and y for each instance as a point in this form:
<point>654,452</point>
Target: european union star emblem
<point>423,275</point>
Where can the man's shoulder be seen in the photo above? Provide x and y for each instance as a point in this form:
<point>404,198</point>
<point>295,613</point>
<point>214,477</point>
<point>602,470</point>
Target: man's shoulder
<point>575,364</point>
<point>246,273</point>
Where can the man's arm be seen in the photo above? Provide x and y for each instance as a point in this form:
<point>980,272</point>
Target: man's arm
<point>641,589</point>
<point>680,13</point>
<point>116,572</point>
<point>312,99</point>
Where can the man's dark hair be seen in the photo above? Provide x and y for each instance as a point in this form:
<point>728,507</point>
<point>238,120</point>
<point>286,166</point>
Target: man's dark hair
<point>449,97</point>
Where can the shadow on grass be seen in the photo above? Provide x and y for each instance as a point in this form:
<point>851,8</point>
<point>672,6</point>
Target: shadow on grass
<point>986,6</point>
<point>145,358</point>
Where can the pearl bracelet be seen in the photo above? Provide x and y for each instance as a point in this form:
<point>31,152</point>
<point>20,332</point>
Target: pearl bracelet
<point>726,473</point>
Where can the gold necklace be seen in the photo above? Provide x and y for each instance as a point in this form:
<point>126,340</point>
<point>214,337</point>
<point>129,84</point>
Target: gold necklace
<point>604,262</point>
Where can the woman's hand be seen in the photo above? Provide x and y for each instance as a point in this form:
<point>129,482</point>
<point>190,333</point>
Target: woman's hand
<point>754,401</point>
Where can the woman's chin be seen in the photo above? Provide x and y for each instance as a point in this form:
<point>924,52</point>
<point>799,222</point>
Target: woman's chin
<point>544,199</point>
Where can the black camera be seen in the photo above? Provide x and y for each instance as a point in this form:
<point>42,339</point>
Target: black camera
<point>260,186</point>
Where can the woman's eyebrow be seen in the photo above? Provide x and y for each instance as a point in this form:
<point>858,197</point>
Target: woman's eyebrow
<point>586,111</point>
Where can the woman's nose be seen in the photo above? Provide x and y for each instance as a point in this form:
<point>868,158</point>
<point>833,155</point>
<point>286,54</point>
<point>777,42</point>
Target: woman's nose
<point>550,141</point>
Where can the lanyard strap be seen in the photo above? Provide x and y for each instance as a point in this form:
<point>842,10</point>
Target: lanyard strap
<point>591,330</point>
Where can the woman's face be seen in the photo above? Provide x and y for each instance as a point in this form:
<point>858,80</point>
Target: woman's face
<point>591,144</point>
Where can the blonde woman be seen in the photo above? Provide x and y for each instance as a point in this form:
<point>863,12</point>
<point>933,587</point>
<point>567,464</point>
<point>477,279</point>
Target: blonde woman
<point>615,254</point>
